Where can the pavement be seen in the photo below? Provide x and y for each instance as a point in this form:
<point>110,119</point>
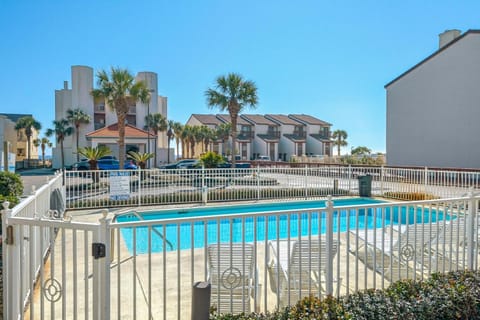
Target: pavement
<point>34,177</point>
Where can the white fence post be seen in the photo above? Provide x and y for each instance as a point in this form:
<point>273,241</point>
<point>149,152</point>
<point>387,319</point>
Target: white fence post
<point>329,243</point>
<point>306,181</point>
<point>382,177</point>
<point>349,178</point>
<point>258,182</point>
<point>101,269</point>
<point>472,212</point>
<point>139,190</point>
<point>204,187</point>
<point>425,181</point>
<point>6,268</point>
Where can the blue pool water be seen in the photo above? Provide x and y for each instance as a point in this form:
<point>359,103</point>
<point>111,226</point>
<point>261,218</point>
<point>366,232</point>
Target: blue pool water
<point>276,227</point>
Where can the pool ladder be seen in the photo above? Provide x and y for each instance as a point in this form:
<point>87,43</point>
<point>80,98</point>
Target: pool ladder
<point>154,229</point>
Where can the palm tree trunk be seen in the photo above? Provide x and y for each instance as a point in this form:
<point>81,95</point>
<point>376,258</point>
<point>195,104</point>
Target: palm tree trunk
<point>234,138</point>
<point>77,134</point>
<point>63,158</point>
<point>28,151</point>
<point>121,138</point>
<point>43,155</point>
<point>177,143</point>
<point>168,150</point>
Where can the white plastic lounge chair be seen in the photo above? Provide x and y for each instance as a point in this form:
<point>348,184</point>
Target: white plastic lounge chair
<point>233,276</point>
<point>451,244</point>
<point>298,271</point>
<point>397,251</point>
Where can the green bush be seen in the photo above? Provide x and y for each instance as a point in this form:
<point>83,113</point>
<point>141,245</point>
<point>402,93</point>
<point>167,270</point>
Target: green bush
<point>10,184</point>
<point>211,159</point>
<point>454,295</point>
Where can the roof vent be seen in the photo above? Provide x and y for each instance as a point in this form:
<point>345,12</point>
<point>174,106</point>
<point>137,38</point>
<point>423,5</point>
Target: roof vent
<point>447,37</point>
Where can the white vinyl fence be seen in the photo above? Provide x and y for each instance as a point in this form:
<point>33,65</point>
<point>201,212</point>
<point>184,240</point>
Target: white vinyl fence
<point>100,189</point>
<point>129,264</point>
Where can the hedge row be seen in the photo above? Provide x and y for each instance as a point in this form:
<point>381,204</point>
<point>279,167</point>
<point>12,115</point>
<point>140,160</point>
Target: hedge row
<point>455,295</point>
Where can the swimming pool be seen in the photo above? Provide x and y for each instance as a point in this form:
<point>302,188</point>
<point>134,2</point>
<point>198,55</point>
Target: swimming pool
<point>184,235</point>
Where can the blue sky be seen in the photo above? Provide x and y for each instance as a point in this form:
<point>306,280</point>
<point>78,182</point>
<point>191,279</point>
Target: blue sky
<point>329,59</point>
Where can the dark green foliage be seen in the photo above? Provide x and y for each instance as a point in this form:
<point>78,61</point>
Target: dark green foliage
<point>10,184</point>
<point>454,295</point>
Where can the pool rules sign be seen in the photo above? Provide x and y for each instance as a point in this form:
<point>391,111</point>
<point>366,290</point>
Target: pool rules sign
<point>119,185</point>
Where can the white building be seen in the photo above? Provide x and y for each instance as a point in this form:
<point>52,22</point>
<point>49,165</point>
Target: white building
<point>433,109</point>
<point>8,143</point>
<point>79,96</point>
<point>267,136</point>
<point>318,135</point>
<point>292,136</point>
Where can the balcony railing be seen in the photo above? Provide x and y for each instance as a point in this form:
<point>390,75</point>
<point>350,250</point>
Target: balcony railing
<point>246,135</point>
<point>275,134</point>
<point>301,134</point>
<point>99,109</point>
<point>98,125</point>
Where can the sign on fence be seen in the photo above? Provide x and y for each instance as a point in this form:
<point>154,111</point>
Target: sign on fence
<point>119,185</point>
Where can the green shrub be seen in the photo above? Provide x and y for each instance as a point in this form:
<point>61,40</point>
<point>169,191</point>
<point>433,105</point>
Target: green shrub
<point>10,184</point>
<point>454,295</point>
<point>211,159</point>
<point>12,199</point>
<point>412,196</point>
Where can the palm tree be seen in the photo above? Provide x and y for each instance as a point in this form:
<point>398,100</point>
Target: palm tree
<point>177,130</point>
<point>208,135</point>
<point>43,143</point>
<point>119,90</point>
<point>223,132</point>
<point>77,117</point>
<point>28,124</point>
<point>140,158</point>
<point>61,129</point>
<point>170,134</point>
<point>93,154</point>
<point>339,139</point>
<point>186,133</point>
<point>232,93</point>
<point>157,123</point>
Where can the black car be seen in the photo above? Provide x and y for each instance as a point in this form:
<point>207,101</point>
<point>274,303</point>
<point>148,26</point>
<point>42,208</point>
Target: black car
<point>178,164</point>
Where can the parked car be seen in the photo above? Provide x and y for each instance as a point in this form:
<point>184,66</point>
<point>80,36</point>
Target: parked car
<point>189,165</point>
<point>104,164</point>
<point>175,165</point>
<point>237,165</point>
<point>263,158</point>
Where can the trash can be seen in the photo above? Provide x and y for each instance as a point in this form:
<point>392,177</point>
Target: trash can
<point>365,186</point>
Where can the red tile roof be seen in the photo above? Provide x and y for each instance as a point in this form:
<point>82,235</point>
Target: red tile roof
<point>112,132</point>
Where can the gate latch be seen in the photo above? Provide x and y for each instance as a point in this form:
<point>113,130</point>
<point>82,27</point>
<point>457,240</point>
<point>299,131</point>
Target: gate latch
<point>98,250</point>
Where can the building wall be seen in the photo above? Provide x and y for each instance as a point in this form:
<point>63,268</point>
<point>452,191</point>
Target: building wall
<point>433,111</point>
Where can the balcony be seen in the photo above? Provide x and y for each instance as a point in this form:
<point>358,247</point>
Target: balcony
<point>98,125</point>
<point>99,109</point>
<point>274,133</point>
<point>132,110</point>
<point>246,135</point>
<point>300,134</point>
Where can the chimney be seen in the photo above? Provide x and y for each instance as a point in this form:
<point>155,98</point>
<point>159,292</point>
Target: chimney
<point>65,85</point>
<point>447,37</point>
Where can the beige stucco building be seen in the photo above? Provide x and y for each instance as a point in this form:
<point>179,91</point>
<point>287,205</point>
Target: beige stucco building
<point>102,116</point>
